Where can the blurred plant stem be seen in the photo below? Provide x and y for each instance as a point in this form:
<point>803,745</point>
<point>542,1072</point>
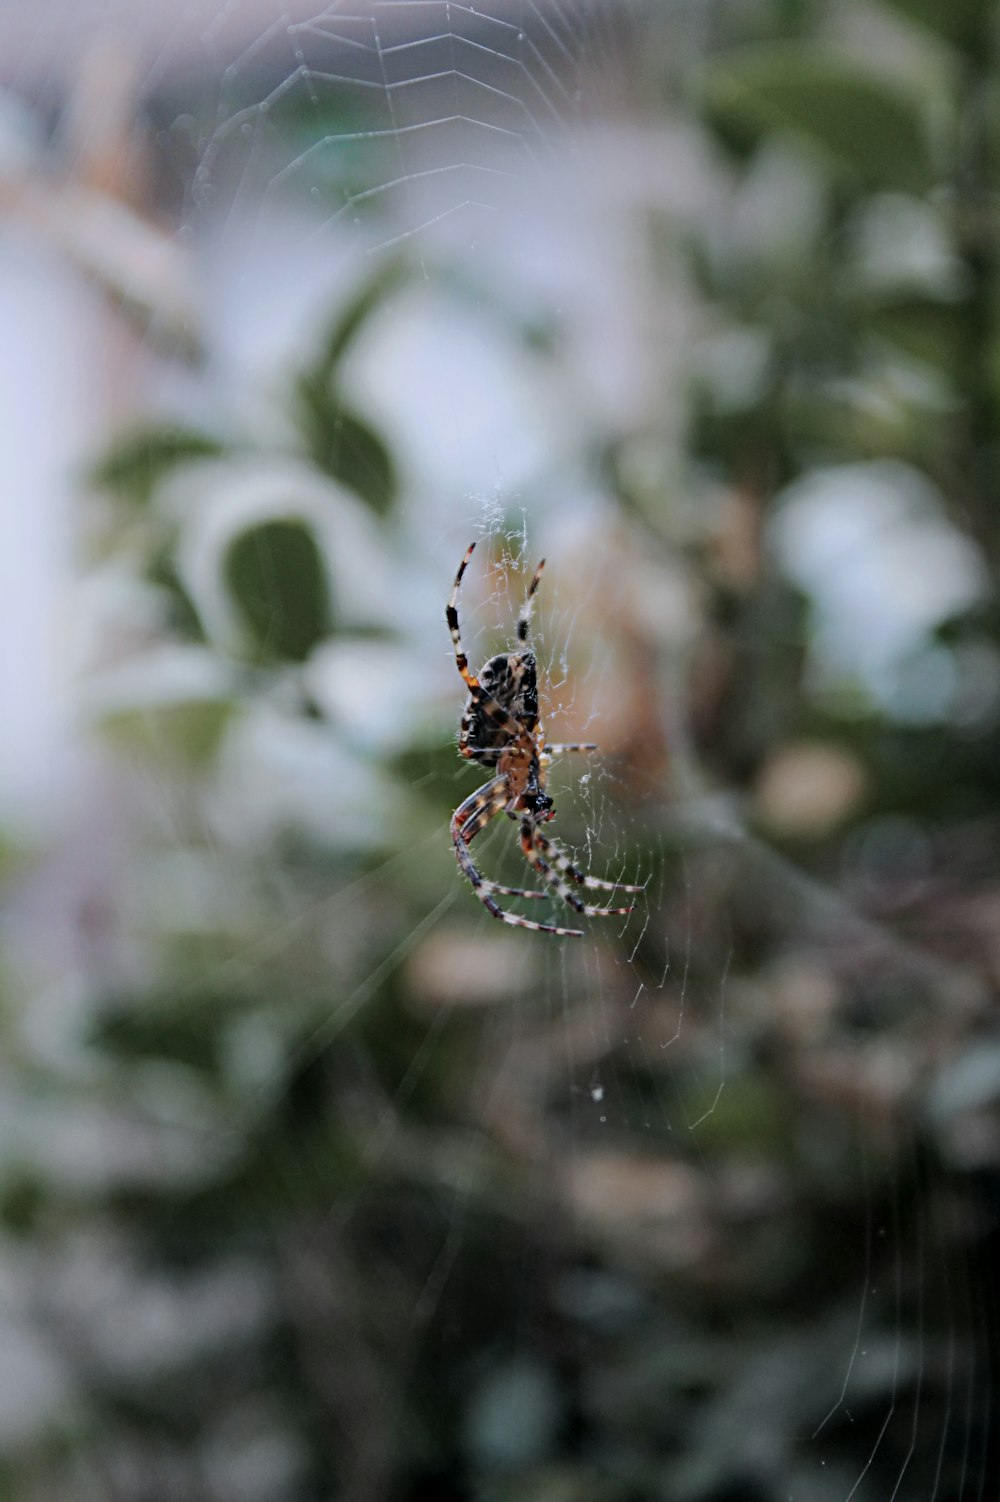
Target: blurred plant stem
<point>976,239</point>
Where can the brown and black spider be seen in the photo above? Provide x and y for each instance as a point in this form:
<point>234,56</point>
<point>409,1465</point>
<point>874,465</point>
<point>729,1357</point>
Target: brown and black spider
<point>500,729</point>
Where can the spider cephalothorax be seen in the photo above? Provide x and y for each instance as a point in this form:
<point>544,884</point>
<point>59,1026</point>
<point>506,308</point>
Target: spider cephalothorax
<point>500,729</point>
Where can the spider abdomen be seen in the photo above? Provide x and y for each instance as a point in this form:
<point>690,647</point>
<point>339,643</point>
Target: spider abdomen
<point>511,679</point>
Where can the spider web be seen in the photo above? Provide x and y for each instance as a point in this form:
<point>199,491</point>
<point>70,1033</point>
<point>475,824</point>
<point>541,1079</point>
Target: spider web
<point>468,137</point>
<point>624,1025</point>
<point>454,96</point>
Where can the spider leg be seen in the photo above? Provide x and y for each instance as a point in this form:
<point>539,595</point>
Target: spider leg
<point>575,746</point>
<point>471,827</point>
<point>451,616</point>
<point>496,711</point>
<point>524,619</point>
<point>561,861</point>
<point>533,855</point>
<point>477,810</point>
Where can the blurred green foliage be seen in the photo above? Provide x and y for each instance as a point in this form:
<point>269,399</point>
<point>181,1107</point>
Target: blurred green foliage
<point>338,440</point>
<point>863,130</point>
<point>140,461</point>
<point>276,577</point>
<point>404,1211</point>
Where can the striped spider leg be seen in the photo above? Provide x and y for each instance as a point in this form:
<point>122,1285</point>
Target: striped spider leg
<point>553,864</point>
<point>503,700</point>
<point>500,729</point>
<point>468,819</point>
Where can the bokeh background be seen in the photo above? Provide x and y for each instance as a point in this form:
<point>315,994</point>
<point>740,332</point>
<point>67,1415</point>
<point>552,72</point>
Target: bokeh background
<point>315,1182</point>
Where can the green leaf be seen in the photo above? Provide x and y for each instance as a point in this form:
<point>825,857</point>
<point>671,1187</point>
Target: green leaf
<point>924,327</point>
<point>186,731</point>
<point>276,574</point>
<point>361,461</point>
<point>352,318</point>
<point>959,21</point>
<point>159,1028</point>
<point>22,1203</point>
<point>862,127</point>
<point>344,445</point>
<point>161,570</point>
<point>140,461</point>
<point>341,442</point>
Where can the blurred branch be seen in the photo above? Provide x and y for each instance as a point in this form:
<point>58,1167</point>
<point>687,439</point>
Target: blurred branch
<point>91,208</point>
<point>976,235</point>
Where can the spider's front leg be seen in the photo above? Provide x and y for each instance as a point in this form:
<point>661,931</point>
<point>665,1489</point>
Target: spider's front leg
<point>491,707</point>
<point>524,618</point>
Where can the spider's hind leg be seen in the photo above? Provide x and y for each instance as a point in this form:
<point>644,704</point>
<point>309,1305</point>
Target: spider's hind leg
<point>470,827</point>
<point>466,822</point>
<point>561,861</point>
<point>536,848</point>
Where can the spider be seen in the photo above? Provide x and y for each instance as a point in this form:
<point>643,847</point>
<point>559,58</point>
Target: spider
<point>500,729</point>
